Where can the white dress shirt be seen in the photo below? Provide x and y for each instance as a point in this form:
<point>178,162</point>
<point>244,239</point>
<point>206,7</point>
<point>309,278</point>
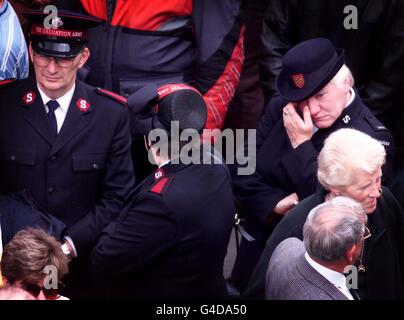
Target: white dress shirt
<point>336,278</point>
<point>64,103</point>
<point>60,114</point>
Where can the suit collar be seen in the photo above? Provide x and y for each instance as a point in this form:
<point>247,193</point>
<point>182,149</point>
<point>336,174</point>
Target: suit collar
<point>35,113</point>
<point>64,101</point>
<point>317,280</point>
<point>77,118</point>
<point>336,278</point>
<point>172,167</point>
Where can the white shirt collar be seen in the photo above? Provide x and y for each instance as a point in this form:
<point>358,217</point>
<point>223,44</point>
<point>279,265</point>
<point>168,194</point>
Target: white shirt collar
<point>164,163</point>
<point>64,101</point>
<point>336,278</point>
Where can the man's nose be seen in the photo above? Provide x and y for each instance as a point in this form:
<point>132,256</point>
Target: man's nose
<point>313,106</point>
<point>52,66</point>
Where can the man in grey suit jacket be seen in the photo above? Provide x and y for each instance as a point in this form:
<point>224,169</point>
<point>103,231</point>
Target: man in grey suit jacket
<point>313,269</point>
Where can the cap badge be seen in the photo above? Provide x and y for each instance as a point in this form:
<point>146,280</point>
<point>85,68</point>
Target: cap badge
<point>82,105</point>
<point>298,80</point>
<point>29,97</point>
<point>56,22</point>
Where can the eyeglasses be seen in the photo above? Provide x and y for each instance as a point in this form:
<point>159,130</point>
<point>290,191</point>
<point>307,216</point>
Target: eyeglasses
<point>366,234</point>
<point>35,290</point>
<point>43,61</point>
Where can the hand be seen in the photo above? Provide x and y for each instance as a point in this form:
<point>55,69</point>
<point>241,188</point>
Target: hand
<point>286,204</point>
<point>299,130</point>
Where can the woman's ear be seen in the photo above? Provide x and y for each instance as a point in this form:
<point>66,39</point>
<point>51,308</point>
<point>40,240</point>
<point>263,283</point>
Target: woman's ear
<point>335,191</point>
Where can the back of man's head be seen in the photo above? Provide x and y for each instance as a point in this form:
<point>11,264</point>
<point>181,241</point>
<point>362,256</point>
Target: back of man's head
<point>332,228</point>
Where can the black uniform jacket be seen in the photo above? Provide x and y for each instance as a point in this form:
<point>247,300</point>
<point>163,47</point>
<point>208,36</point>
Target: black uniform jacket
<point>83,175</point>
<point>171,241</point>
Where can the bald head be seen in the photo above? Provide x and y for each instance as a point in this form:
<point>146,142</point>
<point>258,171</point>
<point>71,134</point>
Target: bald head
<point>332,228</point>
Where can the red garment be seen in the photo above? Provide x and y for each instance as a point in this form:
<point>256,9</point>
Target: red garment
<point>140,14</point>
<point>169,41</point>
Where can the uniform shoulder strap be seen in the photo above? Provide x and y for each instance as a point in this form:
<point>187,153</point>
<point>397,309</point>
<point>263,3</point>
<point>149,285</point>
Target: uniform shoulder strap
<point>122,100</point>
<point>161,186</point>
<point>6,82</point>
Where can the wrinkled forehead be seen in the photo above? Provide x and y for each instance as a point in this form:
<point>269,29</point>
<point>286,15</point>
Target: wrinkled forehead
<point>330,86</point>
<point>363,177</point>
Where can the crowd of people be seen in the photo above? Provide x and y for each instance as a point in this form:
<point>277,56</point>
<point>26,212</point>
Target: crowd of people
<point>96,188</point>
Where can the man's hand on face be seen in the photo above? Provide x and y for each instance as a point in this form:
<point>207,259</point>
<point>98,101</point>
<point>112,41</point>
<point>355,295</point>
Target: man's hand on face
<point>286,204</point>
<point>299,130</point>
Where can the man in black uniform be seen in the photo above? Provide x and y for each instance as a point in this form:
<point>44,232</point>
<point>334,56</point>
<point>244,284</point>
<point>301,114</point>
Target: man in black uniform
<point>64,142</point>
<point>171,240</point>
<point>316,98</point>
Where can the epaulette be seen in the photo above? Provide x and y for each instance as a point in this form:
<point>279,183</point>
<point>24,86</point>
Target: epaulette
<point>375,123</point>
<point>161,182</point>
<point>161,186</point>
<point>6,82</point>
<point>380,128</point>
<point>113,95</point>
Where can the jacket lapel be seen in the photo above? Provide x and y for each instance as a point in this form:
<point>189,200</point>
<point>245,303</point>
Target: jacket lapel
<point>311,275</point>
<point>76,120</point>
<point>35,113</point>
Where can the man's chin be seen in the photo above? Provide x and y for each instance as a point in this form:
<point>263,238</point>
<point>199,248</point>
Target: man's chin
<point>322,123</point>
<point>51,84</point>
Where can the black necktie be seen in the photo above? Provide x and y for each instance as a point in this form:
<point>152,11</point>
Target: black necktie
<point>52,106</point>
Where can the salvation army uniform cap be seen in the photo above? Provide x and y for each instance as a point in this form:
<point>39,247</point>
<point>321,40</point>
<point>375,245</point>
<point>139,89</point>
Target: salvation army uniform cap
<point>308,67</point>
<point>153,107</point>
<point>63,35</point>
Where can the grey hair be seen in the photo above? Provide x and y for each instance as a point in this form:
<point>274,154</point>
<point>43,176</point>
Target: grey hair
<point>333,227</point>
<point>342,75</point>
<point>350,204</point>
<point>347,153</point>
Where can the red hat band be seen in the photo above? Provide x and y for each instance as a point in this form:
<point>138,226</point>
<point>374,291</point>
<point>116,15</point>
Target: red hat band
<point>61,33</point>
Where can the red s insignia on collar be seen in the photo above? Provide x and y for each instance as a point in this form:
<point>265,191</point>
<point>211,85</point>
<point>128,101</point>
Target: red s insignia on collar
<point>83,105</point>
<point>159,174</point>
<point>29,97</point>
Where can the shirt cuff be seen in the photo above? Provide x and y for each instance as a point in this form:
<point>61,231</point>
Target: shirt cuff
<point>67,238</point>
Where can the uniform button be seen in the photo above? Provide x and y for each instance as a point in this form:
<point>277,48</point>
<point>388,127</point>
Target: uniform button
<point>95,166</point>
<point>53,158</point>
<point>12,158</point>
<point>50,190</point>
